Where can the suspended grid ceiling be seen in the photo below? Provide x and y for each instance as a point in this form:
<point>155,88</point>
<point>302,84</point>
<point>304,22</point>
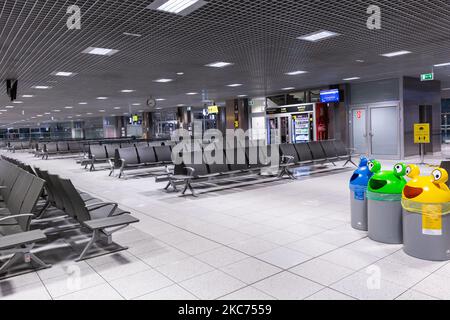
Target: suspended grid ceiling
<point>258,36</point>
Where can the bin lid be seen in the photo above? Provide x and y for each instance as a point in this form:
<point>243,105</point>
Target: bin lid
<point>362,175</point>
<point>426,189</point>
<point>387,182</point>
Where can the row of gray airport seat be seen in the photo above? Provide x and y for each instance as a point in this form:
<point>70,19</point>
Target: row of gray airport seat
<point>250,159</point>
<point>28,198</point>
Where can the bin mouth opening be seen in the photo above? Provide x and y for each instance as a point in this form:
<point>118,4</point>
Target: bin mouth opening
<point>411,192</point>
<point>354,177</point>
<point>377,184</point>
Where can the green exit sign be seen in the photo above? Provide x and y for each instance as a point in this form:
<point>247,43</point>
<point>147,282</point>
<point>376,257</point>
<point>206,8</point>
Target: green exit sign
<point>427,77</point>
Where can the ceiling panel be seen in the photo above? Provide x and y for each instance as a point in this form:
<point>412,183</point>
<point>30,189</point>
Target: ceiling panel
<point>258,36</point>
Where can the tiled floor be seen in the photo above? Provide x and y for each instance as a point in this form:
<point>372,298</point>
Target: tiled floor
<point>289,240</point>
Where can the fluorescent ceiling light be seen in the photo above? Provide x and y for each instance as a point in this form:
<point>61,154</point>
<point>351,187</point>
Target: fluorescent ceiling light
<point>360,61</point>
<point>68,107</point>
<point>100,51</point>
<point>180,73</point>
<point>82,103</point>
<point>116,108</point>
<point>9,107</point>
<point>351,79</point>
<point>102,98</point>
<point>101,111</point>
<point>219,64</point>
<point>442,64</point>
<point>242,96</point>
<point>181,105</point>
<point>47,113</point>
<point>181,7</point>
<point>318,36</point>
<point>27,96</point>
<point>192,93</point>
<point>89,113</point>
<point>56,110</point>
<point>127,91</point>
<point>3,110</point>
<point>41,87</point>
<point>39,115</point>
<point>137,35</point>
<point>235,85</point>
<point>136,104</point>
<point>396,54</point>
<point>446,89</point>
<point>18,102</point>
<point>63,74</point>
<point>296,73</point>
<point>288,88</point>
<point>163,80</point>
<point>160,99</point>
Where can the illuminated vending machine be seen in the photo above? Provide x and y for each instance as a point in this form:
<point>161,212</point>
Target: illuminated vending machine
<point>301,128</point>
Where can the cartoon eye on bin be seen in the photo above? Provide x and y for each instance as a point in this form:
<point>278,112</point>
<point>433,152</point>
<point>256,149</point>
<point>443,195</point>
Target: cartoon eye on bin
<point>400,169</point>
<point>440,176</point>
<point>412,171</point>
<point>408,171</point>
<point>374,166</point>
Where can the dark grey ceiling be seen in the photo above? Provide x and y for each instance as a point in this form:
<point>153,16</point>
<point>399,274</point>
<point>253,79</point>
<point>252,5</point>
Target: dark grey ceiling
<point>258,36</point>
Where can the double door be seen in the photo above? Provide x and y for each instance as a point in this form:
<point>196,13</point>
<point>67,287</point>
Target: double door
<point>375,130</point>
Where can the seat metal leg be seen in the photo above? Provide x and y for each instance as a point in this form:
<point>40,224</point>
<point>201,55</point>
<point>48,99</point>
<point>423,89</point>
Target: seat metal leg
<point>8,264</point>
<point>88,246</point>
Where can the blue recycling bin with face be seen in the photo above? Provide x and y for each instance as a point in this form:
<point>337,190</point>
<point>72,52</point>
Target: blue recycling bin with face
<point>358,195</point>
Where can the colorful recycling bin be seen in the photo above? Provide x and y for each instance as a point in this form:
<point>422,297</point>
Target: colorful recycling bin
<point>426,215</point>
<point>358,199</point>
<point>384,208</point>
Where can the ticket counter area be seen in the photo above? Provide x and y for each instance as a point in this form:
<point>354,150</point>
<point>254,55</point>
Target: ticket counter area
<point>292,124</point>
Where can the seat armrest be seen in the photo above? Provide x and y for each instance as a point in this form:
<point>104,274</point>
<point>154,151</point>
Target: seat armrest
<point>190,171</point>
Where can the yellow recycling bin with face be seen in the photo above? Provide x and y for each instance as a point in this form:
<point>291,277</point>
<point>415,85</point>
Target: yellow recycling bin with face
<point>426,215</point>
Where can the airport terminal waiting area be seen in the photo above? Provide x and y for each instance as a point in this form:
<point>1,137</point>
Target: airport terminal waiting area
<point>131,219</point>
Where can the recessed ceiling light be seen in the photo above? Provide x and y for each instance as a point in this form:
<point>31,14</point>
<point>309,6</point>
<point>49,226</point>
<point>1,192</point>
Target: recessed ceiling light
<point>47,113</point>
<point>68,107</point>
<point>41,87</point>
<point>137,35</point>
<point>116,108</point>
<point>18,102</point>
<point>351,79</point>
<point>396,54</point>
<point>127,91</point>
<point>82,103</point>
<point>192,93</point>
<point>27,96</point>
<point>102,98</point>
<point>296,73</point>
<point>288,88</point>
<point>136,104</point>
<point>89,113</point>
<point>101,111</point>
<point>318,36</point>
<point>56,110</point>
<point>234,85</point>
<point>9,107</point>
<point>181,7</point>
<point>163,80</point>
<point>442,64</point>
<point>39,115</point>
<point>180,73</point>
<point>219,64</point>
<point>63,74</point>
<point>160,99</point>
<point>100,51</point>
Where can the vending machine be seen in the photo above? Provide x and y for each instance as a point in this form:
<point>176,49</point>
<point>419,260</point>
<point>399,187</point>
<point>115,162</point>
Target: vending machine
<point>301,128</point>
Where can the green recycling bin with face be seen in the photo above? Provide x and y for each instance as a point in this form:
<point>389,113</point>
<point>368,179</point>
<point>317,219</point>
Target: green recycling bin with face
<point>385,212</point>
